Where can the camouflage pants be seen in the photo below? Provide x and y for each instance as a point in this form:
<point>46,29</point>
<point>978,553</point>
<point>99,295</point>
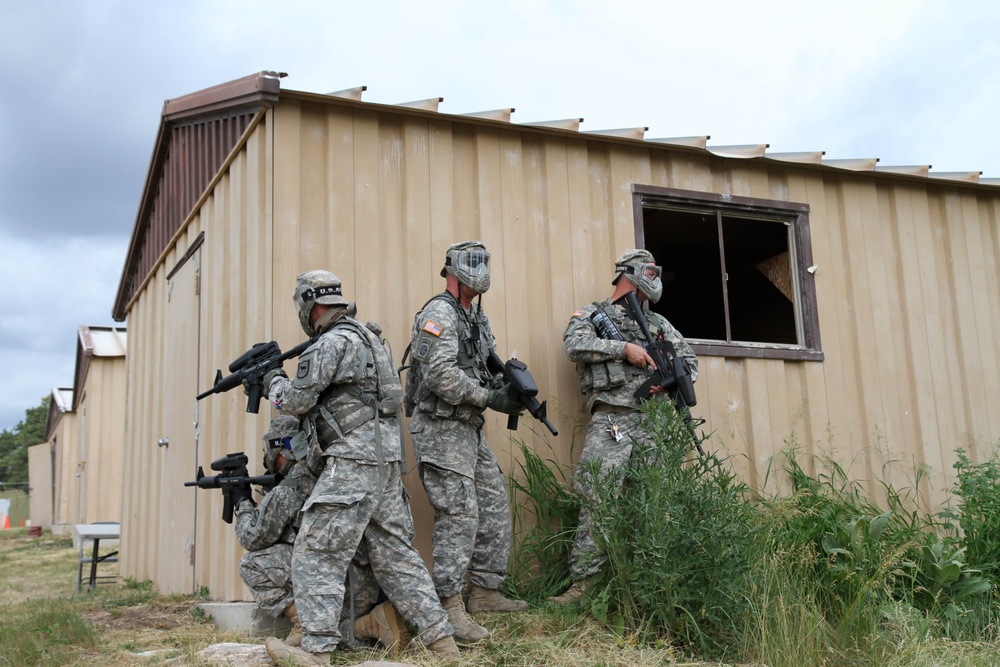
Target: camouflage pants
<point>351,501</point>
<point>599,445</point>
<point>472,530</point>
<point>267,573</point>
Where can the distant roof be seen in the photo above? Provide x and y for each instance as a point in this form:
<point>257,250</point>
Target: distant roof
<point>95,341</point>
<point>210,123</point>
<point>61,402</point>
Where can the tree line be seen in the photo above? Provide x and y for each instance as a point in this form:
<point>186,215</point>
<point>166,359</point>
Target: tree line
<point>14,445</point>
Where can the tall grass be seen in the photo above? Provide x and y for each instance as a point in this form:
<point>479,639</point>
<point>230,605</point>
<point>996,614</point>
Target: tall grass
<point>42,634</point>
<point>821,575</point>
<point>545,518</point>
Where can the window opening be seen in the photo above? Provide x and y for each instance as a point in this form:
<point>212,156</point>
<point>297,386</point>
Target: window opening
<point>735,271</point>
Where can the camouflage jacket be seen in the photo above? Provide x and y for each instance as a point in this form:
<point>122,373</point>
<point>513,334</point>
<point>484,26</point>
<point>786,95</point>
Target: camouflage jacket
<point>604,374</point>
<point>454,378</point>
<point>277,517</point>
<point>340,359</point>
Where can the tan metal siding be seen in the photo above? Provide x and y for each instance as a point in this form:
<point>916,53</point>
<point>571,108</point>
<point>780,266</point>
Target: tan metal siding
<point>141,490</point>
<point>907,291</point>
<point>65,436</point>
<point>102,439</point>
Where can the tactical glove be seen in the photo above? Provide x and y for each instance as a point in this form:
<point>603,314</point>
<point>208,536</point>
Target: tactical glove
<point>241,493</point>
<point>269,377</point>
<point>499,400</point>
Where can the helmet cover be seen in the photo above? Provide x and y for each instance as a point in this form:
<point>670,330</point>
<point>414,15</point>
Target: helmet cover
<point>277,441</point>
<point>314,287</point>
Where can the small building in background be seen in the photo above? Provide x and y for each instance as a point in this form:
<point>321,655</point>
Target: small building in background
<point>55,469</point>
<point>76,474</point>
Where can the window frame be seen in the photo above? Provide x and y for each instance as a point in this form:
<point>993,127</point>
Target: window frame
<point>796,215</point>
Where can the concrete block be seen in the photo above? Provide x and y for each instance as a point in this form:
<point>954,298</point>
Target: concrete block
<point>236,655</point>
<point>246,617</point>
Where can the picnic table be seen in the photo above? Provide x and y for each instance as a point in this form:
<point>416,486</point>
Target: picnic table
<point>95,532</point>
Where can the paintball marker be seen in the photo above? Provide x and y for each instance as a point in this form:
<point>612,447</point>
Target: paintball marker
<point>522,389</point>
<point>250,368</point>
<point>233,474</point>
<point>671,372</point>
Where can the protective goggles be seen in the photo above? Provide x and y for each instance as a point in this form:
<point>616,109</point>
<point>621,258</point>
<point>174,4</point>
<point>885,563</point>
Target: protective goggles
<point>472,262</point>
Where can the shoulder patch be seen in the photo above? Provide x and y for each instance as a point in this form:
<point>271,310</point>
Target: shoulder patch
<point>433,328</point>
<point>303,369</point>
<point>578,313</point>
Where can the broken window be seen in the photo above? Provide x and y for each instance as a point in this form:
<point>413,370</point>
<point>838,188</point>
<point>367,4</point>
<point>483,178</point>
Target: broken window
<point>737,272</point>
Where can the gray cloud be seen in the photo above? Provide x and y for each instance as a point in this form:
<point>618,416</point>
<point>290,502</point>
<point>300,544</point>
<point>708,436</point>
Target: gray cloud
<point>84,84</point>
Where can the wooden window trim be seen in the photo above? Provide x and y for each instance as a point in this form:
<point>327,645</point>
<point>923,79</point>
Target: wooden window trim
<point>797,215</point>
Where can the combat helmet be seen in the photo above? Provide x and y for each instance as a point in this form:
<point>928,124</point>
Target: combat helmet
<point>316,287</point>
<point>278,440</point>
<point>639,268</point>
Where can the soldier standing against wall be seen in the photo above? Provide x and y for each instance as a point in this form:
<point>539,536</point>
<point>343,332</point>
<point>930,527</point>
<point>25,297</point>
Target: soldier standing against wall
<point>347,393</point>
<point>450,342</point>
<point>267,533</point>
<point>610,371</point>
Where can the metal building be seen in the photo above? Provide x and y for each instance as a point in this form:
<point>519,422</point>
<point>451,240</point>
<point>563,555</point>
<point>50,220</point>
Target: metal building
<point>76,475</point>
<point>843,307</point>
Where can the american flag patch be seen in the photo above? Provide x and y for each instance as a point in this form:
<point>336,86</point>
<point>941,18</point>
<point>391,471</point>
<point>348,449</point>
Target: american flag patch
<point>433,328</point>
<point>578,313</point>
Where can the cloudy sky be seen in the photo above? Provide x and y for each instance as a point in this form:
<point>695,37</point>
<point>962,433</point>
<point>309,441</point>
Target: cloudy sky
<point>84,82</point>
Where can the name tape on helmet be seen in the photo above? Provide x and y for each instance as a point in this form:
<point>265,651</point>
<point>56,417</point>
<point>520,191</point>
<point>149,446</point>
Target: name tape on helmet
<point>282,443</point>
<point>314,293</point>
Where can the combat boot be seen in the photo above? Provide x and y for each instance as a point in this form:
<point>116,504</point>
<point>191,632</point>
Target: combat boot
<point>573,594</point>
<point>467,631</point>
<point>294,637</point>
<point>444,646</point>
<point>490,599</point>
<point>384,624</point>
<point>292,656</point>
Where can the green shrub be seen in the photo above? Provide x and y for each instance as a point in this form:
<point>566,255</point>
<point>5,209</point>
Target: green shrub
<point>677,539</point>
<point>978,492</point>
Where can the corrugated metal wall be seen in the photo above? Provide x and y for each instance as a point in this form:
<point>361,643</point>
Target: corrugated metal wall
<point>193,154</point>
<point>907,290</point>
<point>175,535</point>
<point>101,416</point>
<point>65,436</point>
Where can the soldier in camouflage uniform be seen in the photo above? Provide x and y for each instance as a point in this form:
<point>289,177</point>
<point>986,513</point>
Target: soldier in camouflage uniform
<point>450,342</point>
<point>267,533</point>
<point>609,372</point>
<point>347,395</point>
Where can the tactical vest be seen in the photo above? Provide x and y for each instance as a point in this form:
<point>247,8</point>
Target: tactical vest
<point>343,407</point>
<point>471,360</point>
<point>605,375</point>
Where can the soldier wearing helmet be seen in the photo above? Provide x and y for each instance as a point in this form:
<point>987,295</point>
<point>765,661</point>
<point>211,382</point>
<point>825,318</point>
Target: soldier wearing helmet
<point>346,394</point>
<point>268,532</point>
<point>450,342</point>
<point>610,369</point>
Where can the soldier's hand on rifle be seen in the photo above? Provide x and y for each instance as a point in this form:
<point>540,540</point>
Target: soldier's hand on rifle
<point>241,493</point>
<point>638,357</point>
<point>269,377</point>
<point>499,400</point>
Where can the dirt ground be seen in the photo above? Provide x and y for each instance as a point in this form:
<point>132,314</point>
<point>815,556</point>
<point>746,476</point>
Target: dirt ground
<point>130,625</point>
